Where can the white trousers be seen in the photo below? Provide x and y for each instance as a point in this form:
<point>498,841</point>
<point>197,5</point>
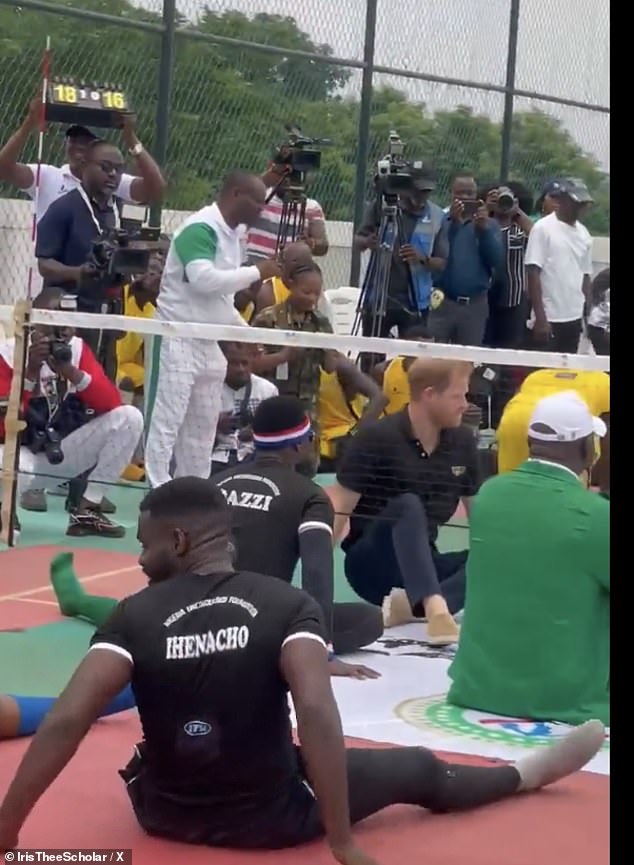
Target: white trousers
<point>105,445</point>
<point>185,409</point>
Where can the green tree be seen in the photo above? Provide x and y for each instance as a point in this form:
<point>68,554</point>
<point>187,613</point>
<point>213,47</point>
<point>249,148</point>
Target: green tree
<point>230,105</point>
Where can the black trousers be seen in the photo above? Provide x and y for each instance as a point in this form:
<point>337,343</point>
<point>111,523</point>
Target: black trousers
<point>289,815</point>
<point>565,338</point>
<point>600,339</point>
<point>506,325</point>
<point>354,626</point>
<point>395,551</point>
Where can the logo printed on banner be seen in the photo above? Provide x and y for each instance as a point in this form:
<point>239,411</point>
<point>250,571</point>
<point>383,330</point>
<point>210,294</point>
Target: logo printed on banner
<point>433,713</point>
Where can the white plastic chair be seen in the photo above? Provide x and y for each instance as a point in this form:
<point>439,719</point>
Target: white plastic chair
<point>343,303</point>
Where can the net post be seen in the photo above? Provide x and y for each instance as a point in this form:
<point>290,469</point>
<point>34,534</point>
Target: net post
<point>13,424</point>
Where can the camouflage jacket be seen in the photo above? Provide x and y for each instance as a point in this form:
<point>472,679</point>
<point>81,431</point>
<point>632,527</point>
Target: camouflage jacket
<point>300,377</point>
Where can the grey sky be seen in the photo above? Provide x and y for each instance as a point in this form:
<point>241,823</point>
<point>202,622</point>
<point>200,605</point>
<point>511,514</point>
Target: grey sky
<point>564,49</point>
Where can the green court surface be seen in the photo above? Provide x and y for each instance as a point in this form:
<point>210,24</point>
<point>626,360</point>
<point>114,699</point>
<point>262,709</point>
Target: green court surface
<point>39,660</point>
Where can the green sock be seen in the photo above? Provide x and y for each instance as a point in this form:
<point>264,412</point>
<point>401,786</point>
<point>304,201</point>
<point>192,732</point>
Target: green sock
<point>72,599</point>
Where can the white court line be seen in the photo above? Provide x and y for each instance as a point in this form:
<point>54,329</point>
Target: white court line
<point>35,601</point>
<point>30,592</point>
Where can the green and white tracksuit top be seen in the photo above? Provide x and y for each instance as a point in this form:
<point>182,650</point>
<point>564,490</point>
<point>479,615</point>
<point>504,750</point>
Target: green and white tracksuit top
<point>203,271</point>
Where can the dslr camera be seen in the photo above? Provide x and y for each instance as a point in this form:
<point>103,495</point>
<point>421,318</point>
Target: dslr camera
<point>299,155</point>
<point>45,430</point>
<point>393,173</point>
<point>506,200</point>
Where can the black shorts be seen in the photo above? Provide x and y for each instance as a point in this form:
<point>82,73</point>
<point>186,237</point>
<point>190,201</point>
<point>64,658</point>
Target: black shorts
<point>285,818</point>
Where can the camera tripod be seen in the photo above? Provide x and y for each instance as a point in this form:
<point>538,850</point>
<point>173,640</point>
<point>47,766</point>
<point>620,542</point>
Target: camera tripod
<point>293,218</point>
<point>372,308</point>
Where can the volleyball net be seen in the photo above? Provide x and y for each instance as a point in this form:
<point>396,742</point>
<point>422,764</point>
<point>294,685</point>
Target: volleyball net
<point>74,433</point>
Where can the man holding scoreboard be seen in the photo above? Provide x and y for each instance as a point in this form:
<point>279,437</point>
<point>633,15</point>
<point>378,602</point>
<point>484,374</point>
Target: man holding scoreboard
<point>54,181</point>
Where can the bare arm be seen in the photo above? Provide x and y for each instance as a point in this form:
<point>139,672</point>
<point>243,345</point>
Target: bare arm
<point>12,171</point>
<point>100,677</point>
<point>150,185</point>
<point>344,502</point>
<point>354,382</point>
<point>524,222</point>
<point>304,665</point>
<point>54,271</point>
<point>587,288</point>
<point>535,295</point>
<point>265,296</point>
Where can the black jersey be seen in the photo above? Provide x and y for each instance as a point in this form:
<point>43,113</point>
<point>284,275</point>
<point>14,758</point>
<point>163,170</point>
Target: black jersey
<point>212,701</point>
<point>272,506</point>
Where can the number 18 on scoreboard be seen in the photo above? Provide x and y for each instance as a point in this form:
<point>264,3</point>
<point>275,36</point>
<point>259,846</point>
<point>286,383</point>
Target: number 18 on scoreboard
<point>92,104</point>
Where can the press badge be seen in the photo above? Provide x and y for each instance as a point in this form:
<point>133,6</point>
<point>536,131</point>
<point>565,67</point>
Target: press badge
<point>281,373</point>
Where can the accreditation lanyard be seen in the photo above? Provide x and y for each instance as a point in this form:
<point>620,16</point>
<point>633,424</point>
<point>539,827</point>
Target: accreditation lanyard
<point>115,210</point>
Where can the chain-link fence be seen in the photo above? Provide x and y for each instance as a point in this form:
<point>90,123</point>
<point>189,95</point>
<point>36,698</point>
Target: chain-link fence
<point>238,74</point>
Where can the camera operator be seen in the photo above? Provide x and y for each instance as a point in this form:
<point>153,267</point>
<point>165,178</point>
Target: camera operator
<point>419,259</point>
<point>149,186</point>
<point>475,254</point>
<point>242,393</point>
<point>76,423</point>
<point>263,235</point>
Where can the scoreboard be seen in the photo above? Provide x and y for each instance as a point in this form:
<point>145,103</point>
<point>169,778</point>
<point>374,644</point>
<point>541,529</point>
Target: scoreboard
<point>86,103</point>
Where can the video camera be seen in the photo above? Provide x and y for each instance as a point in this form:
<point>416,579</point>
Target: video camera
<point>393,172</point>
<point>299,155</point>
<point>114,257</point>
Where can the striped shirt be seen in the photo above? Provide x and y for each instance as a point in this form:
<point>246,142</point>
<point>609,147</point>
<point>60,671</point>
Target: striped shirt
<point>262,236</point>
<point>511,286</point>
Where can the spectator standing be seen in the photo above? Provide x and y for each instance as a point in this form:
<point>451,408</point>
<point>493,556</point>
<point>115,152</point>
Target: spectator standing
<point>202,274</point>
<point>417,257</point>
<point>475,254</point>
<point>508,297</point>
<point>242,393</point>
<point>262,236</point>
<point>559,262</point>
<point>149,186</point>
<point>599,313</point>
<point>72,396</point>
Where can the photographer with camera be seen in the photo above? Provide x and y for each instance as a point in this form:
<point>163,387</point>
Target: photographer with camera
<point>242,393</point>
<point>508,296</point>
<point>475,254</point>
<point>417,254</point>
<point>76,423</point>
<point>202,275</point>
<point>285,181</point>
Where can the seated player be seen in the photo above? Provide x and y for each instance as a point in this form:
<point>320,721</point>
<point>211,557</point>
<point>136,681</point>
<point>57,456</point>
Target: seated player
<point>279,519</point>
<point>214,652</point>
<point>298,371</point>
<point>92,432</point>
<point>535,640</point>
<point>512,433</point>
<point>400,480</point>
<point>392,374</point>
<point>599,313</point>
<point>242,393</point>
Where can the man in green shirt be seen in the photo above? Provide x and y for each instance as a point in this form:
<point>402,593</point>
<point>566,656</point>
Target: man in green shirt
<point>535,640</point>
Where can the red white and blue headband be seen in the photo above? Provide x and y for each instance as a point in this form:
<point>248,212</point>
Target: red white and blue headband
<point>283,438</point>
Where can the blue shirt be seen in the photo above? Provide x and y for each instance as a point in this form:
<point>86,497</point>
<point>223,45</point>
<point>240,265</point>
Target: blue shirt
<point>67,230</point>
<point>473,257</point>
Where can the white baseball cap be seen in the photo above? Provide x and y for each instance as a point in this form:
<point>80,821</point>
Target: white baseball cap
<point>568,416</point>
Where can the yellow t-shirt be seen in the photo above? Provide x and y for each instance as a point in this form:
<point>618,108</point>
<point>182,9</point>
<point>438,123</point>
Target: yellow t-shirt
<point>130,360</point>
<point>512,433</point>
<point>396,386</point>
<point>335,418</point>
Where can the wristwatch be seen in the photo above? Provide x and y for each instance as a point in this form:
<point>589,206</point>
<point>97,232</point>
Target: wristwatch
<point>137,149</point>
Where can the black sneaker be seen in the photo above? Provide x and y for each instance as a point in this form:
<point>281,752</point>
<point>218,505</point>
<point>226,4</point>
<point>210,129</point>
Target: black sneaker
<point>93,522</point>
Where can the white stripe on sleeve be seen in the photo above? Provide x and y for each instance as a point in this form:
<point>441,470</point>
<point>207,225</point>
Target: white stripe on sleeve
<point>304,635</point>
<point>110,647</point>
<point>314,524</point>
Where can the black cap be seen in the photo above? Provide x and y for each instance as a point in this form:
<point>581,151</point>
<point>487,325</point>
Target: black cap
<point>573,187</point>
<point>77,131</point>
<point>423,176</point>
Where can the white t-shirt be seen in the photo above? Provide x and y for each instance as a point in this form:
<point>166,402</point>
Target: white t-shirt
<point>231,402</point>
<point>564,255</point>
<point>56,181</point>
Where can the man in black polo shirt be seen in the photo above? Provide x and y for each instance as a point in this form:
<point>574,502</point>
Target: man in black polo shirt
<point>281,517</point>
<point>400,480</point>
<point>211,655</point>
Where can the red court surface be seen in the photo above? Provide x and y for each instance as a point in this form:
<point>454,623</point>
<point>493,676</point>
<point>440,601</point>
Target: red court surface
<point>87,806</point>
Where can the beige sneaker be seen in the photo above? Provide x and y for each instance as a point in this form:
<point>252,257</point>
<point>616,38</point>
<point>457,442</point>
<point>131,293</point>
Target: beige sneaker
<point>397,609</point>
<point>442,630</point>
